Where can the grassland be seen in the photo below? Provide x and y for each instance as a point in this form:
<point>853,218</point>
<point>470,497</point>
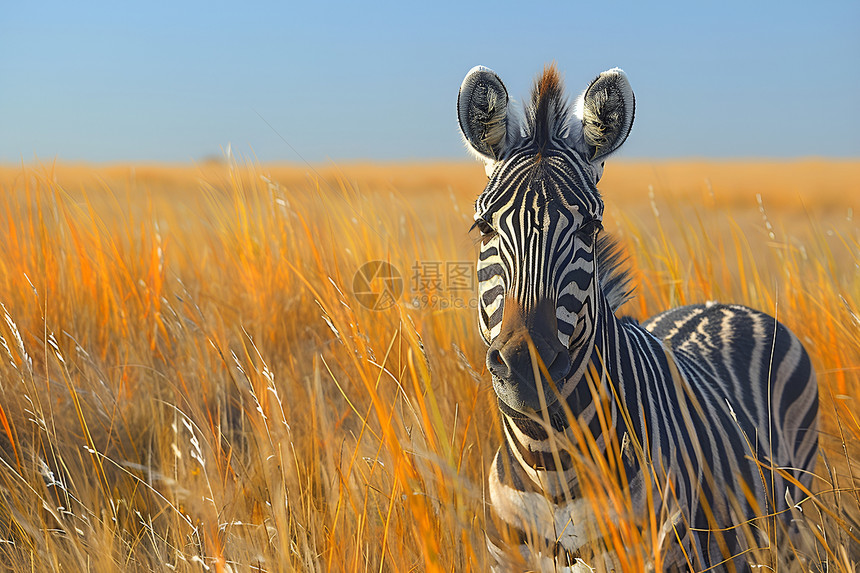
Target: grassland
<point>187,381</point>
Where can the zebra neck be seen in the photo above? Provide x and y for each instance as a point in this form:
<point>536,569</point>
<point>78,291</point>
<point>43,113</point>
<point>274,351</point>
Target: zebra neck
<point>593,398</point>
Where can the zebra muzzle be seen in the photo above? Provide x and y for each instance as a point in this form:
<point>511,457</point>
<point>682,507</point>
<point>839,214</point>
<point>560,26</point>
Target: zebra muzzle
<point>527,345</point>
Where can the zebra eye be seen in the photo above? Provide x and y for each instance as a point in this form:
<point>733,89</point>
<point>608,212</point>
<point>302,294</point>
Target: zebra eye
<point>484,227</point>
<point>487,231</point>
<point>590,228</point>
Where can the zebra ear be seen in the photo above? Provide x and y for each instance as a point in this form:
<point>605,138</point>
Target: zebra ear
<point>482,109</point>
<point>607,109</point>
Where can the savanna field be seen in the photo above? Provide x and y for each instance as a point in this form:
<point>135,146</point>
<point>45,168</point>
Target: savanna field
<point>188,381</point>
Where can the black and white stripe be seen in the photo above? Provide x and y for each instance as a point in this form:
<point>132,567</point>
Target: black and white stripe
<point>703,400</point>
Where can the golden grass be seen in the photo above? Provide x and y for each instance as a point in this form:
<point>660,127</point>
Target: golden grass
<point>187,381</point>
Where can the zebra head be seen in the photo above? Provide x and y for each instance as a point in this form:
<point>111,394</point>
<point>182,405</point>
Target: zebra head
<point>539,217</point>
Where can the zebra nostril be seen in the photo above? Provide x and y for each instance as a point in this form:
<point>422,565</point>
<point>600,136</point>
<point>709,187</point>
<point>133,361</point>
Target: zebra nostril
<point>494,357</point>
<point>496,363</point>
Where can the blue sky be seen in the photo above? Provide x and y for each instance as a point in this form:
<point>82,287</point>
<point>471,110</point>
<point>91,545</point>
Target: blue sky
<point>171,81</point>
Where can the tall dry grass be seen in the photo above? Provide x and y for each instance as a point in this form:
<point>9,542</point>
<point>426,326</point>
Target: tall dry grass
<point>187,381</point>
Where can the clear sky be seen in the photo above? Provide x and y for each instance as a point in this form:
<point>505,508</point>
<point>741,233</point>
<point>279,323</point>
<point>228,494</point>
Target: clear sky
<point>178,81</point>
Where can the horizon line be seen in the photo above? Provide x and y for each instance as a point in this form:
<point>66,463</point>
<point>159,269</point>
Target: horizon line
<point>241,160</point>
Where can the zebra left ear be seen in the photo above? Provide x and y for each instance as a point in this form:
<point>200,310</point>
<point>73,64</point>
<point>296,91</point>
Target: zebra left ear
<point>607,109</point>
<point>482,110</point>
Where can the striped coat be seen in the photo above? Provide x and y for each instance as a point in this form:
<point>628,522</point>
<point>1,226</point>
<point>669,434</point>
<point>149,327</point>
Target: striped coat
<point>705,416</point>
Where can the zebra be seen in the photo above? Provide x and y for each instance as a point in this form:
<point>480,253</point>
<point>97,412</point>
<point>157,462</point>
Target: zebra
<point>714,405</point>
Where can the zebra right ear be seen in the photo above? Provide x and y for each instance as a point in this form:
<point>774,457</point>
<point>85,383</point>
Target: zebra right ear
<point>606,109</point>
<point>482,109</point>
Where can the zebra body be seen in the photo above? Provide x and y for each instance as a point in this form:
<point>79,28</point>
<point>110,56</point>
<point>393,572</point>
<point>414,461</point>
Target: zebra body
<point>693,408</point>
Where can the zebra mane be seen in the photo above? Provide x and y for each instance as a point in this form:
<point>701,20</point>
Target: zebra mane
<point>547,116</point>
<point>614,274</point>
